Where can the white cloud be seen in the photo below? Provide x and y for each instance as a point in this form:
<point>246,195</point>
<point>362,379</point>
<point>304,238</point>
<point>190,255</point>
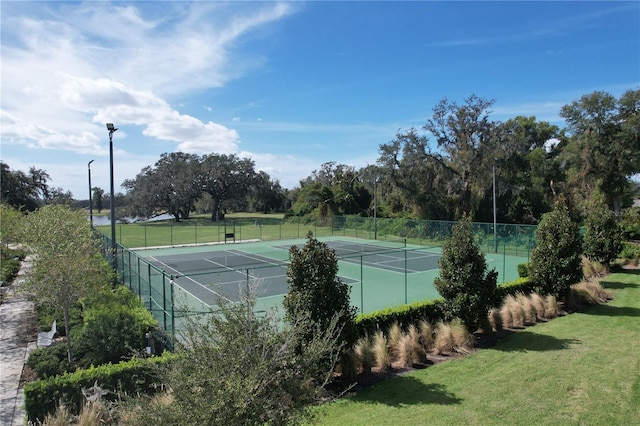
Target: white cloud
<point>69,68</point>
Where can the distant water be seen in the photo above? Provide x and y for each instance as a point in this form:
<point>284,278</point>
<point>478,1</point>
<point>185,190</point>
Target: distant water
<point>106,220</point>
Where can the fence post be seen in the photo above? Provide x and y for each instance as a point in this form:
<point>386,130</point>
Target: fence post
<point>405,278</point>
<point>361,288</point>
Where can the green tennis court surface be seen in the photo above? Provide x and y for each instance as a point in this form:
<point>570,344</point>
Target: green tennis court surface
<point>381,273</point>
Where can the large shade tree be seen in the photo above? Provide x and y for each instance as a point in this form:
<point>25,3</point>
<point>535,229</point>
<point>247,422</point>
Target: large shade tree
<point>602,152</point>
<point>24,191</point>
<point>226,178</point>
<point>171,186</point>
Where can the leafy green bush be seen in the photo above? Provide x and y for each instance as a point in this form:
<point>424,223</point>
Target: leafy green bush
<point>469,290</point>
<point>630,251</point>
<point>115,323</point>
<point>431,311</point>
<point>133,377</point>
<point>603,237</point>
<point>523,270</point>
<point>630,223</point>
<point>50,361</point>
<point>556,262</point>
<point>10,263</point>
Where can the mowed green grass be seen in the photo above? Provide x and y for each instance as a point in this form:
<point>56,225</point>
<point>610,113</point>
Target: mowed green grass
<point>581,369</point>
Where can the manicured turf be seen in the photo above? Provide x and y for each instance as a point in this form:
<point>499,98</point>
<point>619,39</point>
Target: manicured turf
<point>581,369</point>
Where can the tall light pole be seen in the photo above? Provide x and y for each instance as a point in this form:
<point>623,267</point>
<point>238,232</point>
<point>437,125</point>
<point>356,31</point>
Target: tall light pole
<point>375,209</point>
<point>90,201</point>
<point>495,227</point>
<point>114,264</point>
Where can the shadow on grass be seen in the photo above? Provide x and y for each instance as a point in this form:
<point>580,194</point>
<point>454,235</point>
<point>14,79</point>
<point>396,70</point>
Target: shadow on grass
<point>612,311</point>
<point>529,341</point>
<point>617,285</point>
<point>408,390</point>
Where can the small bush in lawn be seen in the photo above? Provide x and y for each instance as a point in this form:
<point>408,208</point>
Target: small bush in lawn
<point>364,353</point>
<point>555,263</point>
<point>538,304</point>
<point>426,335</point>
<point>381,351</point>
<point>603,236</point>
<point>495,319</point>
<point>462,339</point>
<point>552,307</point>
<point>444,342</point>
<point>468,288</point>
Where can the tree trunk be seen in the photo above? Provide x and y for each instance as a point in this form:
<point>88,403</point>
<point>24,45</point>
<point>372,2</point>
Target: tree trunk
<point>66,331</point>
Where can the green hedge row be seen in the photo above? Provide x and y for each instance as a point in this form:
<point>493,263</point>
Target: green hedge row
<point>134,377</point>
<point>430,310</point>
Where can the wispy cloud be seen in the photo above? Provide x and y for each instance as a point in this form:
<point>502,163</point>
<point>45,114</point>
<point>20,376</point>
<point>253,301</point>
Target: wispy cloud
<point>68,68</point>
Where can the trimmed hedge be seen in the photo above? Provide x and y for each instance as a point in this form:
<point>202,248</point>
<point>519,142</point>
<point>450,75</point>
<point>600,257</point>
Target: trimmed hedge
<point>138,376</point>
<point>430,310</point>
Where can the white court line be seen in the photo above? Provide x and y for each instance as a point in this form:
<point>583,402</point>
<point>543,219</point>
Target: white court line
<point>180,275</point>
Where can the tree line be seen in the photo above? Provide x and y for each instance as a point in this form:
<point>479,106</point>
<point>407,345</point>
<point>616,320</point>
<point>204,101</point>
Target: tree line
<point>459,162</point>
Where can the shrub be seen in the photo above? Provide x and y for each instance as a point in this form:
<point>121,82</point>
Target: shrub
<point>523,270</point>
<point>603,236</point>
<point>556,260</point>
<point>115,323</point>
<point>50,361</point>
<point>315,290</point>
<point>468,289</point>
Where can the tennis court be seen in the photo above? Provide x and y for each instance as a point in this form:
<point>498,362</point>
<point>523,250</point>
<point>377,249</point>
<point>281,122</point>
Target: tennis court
<point>381,273</point>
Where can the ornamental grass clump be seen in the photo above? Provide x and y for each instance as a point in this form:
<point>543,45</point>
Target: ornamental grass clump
<point>394,335</point>
<point>419,352</point>
<point>537,302</point>
<point>365,354</point>
<point>426,335</point>
<point>444,341</point>
<point>462,339</point>
<point>380,351</point>
<point>495,319</point>
<point>552,306</point>
<point>405,351</point>
<point>528,310</point>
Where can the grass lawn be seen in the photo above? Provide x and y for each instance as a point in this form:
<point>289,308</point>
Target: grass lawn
<point>581,369</point>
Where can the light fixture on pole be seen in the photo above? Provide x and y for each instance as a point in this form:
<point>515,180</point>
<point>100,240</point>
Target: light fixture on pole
<point>112,129</point>
<point>90,201</point>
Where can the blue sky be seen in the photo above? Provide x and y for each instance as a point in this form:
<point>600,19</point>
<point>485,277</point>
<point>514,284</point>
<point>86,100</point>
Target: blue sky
<point>291,85</point>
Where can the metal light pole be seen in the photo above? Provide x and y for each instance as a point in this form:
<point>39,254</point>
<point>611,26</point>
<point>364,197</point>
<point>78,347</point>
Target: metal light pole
<point>90,201</point>
<point>114,263</point>
<point>375,209</point>
<point>495,228</point>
